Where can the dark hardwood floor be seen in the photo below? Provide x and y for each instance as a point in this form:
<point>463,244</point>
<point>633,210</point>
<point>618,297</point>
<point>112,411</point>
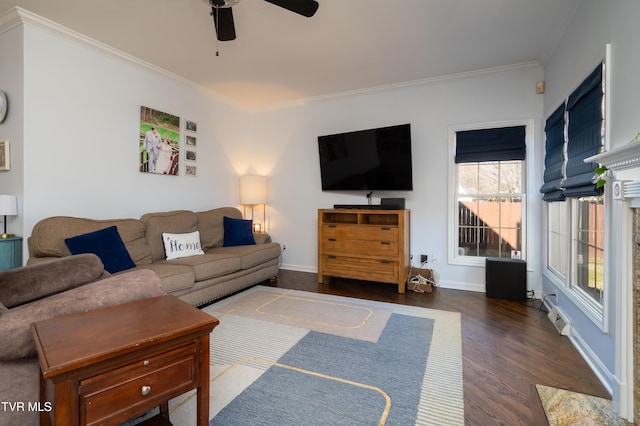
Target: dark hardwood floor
<point>507,346</point>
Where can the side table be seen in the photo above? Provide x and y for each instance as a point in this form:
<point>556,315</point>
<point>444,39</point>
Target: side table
<point>108,365</point>
<point>10,253</point>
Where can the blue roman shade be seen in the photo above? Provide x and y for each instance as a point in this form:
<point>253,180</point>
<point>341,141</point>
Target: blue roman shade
<point>554,156</point>
<point>499,144</point>
<point>584,135</point>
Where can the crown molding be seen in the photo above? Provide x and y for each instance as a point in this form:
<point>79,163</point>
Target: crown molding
<point>405,84</point>
<point>18,16</point>
<point>10,19</point>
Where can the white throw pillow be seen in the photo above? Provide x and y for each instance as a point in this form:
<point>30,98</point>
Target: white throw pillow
<point>182,245</point>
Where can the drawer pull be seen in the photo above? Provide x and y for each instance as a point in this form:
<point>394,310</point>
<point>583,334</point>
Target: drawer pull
<point>146,390</point>
<point>332,226</point>
<point>385,261</point>
<point>385,243</point>
<point>385,228</point>
<point>332,257</point>
<point>332,239</point>
<point>145,362</point>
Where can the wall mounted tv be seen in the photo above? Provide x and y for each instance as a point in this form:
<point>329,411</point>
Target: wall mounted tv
<point>370,160</point>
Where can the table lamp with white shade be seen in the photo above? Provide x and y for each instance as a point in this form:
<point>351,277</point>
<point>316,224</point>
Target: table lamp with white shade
<point>8,207</point>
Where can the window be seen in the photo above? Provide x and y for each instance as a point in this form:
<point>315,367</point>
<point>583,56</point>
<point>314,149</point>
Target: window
<point>576,209</point>
<point>490,208</point>
<point>488,193</point>
<point>588,241</point>
<point>557,239</point>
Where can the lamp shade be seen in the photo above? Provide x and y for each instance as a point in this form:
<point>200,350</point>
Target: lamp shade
<point>253,190</point>
<point>8,205</point>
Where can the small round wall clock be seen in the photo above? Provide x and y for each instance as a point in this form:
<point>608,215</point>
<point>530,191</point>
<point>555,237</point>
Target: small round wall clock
<point>3,106</point>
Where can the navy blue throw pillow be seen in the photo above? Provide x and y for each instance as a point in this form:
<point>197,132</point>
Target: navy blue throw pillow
<point>107,245</point>
<point>237,232</point>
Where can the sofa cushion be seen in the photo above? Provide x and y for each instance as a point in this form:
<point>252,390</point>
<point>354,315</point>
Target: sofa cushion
<point>211,227</point>
<point>106,244</point>
<point>48,235</point>
<point>27,283</point>
<point>182,245</point>
<point>174,277</point>
<point>15,324</point>
<point>174,222</point>
<point>210,265</point>
<point>252,255</point>
<point>237,232</point>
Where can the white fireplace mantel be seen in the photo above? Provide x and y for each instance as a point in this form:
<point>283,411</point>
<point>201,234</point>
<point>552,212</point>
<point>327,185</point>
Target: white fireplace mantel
<point>621,158</point>
<point>624,157</point>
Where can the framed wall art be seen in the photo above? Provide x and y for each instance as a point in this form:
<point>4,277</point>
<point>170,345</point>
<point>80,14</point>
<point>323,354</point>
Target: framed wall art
<point>5,156</point>
<point>159,142</point>
<point>190,170</point>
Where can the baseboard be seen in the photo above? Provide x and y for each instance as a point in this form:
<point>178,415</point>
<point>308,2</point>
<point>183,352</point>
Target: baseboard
<point>599,369</point>
<point>455,285</point>
<point>299,268</point>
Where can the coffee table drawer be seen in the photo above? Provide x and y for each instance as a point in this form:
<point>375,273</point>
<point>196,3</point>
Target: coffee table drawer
<point>137,387</point>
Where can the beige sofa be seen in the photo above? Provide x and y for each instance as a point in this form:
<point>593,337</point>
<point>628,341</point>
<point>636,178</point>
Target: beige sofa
<point>43,291</point>
<point>195,279</point>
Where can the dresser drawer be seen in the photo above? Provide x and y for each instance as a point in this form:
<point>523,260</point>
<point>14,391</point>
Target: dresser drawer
<point>366,247</point>
<point>137,387</point>
<point>365,269</point>
<point>361,232</point>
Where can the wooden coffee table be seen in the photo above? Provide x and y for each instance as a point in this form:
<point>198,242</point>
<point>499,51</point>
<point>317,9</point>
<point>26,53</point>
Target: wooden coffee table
<point>109,365</point>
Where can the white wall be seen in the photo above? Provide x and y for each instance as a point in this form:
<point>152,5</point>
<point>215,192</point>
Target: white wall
<point>81,127</point>
<point>594,25</point>
<point>11,82</point>
<point>285,142</point>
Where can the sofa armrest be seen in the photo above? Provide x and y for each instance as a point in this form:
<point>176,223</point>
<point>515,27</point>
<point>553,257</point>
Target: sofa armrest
<point>27,283</point>
<point>262,238</point>
<point>15,333</point>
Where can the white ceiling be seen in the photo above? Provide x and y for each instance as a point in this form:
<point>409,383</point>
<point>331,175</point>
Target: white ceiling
<point>349,45</point>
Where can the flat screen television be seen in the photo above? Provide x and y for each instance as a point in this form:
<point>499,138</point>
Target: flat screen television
<point>370,160</point>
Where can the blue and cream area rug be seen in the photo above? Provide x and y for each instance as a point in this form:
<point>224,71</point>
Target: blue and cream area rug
<point>286,357</point>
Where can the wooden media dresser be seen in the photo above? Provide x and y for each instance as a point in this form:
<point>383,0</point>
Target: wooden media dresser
<point>371,245</point>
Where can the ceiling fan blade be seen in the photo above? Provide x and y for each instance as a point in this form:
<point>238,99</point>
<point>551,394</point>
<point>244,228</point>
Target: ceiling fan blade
<point>223,21</point>
<point>301,7</point>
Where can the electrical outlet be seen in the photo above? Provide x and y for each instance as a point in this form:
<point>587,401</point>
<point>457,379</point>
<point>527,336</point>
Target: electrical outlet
<point>435,258</point>
<point>424,258</point>
<point>284,247</point>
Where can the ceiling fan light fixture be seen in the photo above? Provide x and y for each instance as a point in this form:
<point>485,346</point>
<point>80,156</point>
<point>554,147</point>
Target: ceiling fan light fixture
<point>221,4</point>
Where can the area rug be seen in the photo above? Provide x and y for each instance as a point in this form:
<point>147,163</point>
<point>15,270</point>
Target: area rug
<point>564,408</point>
<point>286,357</point>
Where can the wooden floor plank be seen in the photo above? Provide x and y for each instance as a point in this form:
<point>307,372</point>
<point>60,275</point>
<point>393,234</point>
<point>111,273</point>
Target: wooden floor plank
<point>507,347</point>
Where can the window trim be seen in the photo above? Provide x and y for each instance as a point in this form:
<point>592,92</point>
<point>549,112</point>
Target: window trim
<point>452,233</point>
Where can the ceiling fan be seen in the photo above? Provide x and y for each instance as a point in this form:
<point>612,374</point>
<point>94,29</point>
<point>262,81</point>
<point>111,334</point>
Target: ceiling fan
<point>223,16</point>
